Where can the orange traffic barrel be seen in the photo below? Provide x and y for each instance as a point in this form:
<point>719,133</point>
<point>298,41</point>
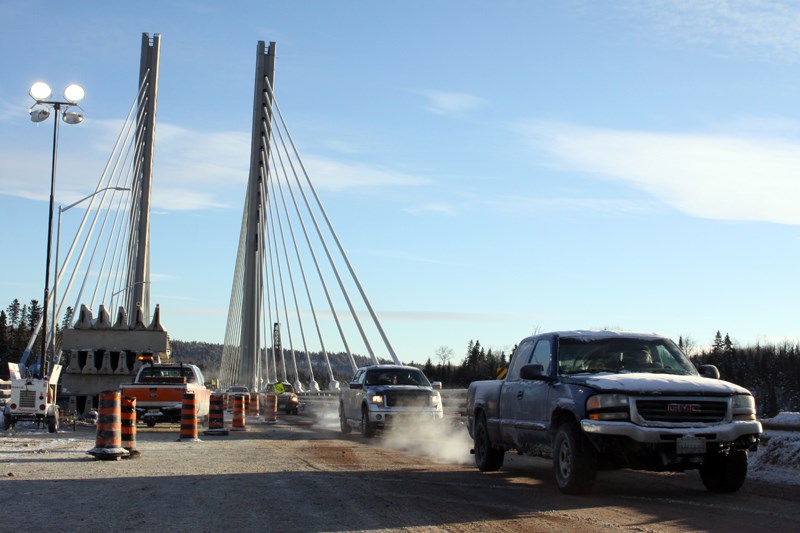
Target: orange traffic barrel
<point>239,423</point>
<point>271,409</point>
<point>128,426</point>
<point>108,443</point>
<point>216,416</point>
<point>252,405</point>
<point>188,418</point>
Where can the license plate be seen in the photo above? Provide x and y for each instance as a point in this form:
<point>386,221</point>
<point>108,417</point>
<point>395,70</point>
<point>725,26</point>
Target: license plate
<point>153,412</point>
<point>690,445</point>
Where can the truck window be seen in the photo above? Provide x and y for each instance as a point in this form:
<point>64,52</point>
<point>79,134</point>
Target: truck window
<point>541,355</point>
<point>520,358</point>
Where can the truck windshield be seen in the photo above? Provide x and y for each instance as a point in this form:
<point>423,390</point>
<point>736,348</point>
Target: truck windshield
<point>168,372</point>
<point>660,356</point>
<point>396,376</point>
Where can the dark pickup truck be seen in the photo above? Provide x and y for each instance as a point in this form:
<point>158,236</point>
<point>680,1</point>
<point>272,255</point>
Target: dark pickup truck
<point>601,400</point>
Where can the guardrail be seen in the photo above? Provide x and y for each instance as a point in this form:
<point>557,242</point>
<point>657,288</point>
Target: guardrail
<point>454,401</point>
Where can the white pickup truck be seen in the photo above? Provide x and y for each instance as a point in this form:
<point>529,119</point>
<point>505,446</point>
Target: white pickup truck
<point>382,396</point>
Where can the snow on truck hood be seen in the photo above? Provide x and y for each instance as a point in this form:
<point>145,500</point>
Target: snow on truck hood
<point>663,384</point>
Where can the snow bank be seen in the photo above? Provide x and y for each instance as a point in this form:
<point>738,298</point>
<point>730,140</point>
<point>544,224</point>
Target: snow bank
<point>777,459</point>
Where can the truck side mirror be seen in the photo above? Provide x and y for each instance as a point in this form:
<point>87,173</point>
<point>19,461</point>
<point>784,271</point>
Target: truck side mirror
<point>437,385</point>
<point>709,371</point>
<point>534,372</point>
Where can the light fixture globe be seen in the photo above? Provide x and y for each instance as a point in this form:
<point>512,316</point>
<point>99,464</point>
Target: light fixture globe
<point>40,91</point>
<point>39,114</point>
<point>72,117</point>
<point>74,93</point>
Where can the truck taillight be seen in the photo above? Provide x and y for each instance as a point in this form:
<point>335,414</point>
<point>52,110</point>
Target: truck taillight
<point>13,406</point>
<point>41,407</point>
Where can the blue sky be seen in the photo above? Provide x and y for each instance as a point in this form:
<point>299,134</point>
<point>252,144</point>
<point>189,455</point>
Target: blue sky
<point>492,168</point>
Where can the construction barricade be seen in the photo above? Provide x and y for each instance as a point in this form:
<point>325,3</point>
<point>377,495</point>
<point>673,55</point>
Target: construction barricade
<point>108,443</point>
<point>128,426</point>
<point>252,405</point>
<point>239,423</point>
<point>188,418</point>
<point>216,416</point>
<point>271,409</point>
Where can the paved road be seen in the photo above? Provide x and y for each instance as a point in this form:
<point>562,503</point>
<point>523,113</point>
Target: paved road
<point>304,475</point>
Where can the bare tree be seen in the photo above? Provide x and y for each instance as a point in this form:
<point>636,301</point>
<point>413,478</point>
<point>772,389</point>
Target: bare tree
<point>688,345</point>
<point>444,354</point>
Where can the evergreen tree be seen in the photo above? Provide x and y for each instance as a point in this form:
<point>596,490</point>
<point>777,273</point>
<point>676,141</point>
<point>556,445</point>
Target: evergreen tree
<point>727,345</point>
<point>718,346</point>
<point>14,314</point>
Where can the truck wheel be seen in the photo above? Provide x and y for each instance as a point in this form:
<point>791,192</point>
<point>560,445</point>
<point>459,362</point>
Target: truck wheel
<point>724,472</point>
<point>367,428</point>
<point>7,421</point>
<point>574,462</point>
<point>487,457</point>
<point>150,422</point>
<point>345,427</point>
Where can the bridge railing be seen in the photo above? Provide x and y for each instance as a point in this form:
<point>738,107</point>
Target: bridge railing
<point>454,401</point>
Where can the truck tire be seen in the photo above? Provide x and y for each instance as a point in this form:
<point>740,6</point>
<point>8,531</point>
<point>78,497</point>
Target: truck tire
<point>724,472</point>
<point>343,425</point>
<point>367,428</point>
<point>151,423</point>
<point>574,463</point>
<point>487,457</point>
<point>7,421</point>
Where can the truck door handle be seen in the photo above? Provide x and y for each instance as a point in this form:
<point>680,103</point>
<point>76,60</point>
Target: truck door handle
<point>520,394</point>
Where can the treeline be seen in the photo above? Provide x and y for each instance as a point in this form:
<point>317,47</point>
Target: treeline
<point>770,371</point>
<point>478,364</point>
<point>17,322</point>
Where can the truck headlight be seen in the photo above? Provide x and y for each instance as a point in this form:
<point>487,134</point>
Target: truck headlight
<point>608,407</point>
<point>435,400</point>
<point>744,407</point>
<point>377,399</point>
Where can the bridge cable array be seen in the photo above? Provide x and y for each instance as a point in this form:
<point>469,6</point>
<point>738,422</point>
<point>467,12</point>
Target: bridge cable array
<point>99,256</point>
<point>294,233</point>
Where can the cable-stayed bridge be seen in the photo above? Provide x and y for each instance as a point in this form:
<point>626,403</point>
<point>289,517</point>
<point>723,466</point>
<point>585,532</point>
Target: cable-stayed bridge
<point>297,309</point>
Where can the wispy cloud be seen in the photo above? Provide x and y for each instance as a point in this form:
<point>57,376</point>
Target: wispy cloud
<point>337,175</point>
<point>752,26</point>
<point>437,208</point>
<point>713,176</point>
<point>451,103</point>
<point>193,170</point>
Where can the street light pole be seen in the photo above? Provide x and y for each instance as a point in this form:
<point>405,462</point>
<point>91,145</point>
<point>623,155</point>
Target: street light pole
<point>40,92</point>
<point>43,358</point>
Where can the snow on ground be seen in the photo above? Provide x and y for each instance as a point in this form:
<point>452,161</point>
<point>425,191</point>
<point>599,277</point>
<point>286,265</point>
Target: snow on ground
<point>778,457</point>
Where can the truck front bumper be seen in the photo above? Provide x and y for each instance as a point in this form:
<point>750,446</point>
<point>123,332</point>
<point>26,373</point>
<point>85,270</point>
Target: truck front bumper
<point>727,432</point>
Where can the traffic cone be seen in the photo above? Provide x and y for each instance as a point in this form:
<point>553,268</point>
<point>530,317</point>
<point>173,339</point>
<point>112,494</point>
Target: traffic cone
<point>108,443</point>
<point>271,409</point>
<point>188,418</point>
<point>128,426</point>
<point>239,423</point>
<point>216,416</point>
<point>252,406</point>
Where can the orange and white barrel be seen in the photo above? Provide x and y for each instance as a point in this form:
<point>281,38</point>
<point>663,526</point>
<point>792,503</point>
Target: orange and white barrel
<point>271,409</point>
<point>239,423</point>
<point>108,442</point>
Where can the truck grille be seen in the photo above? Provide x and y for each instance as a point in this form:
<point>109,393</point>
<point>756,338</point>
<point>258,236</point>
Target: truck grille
<point>682,410</point>
<point>27,399</point>
<point>408,399</point>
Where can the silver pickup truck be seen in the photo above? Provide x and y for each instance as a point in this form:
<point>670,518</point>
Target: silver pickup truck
<point>381,396</point>
<point>600,400</point>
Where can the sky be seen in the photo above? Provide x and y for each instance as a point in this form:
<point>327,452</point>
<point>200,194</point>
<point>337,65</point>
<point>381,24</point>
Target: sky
<point>493,169</point>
